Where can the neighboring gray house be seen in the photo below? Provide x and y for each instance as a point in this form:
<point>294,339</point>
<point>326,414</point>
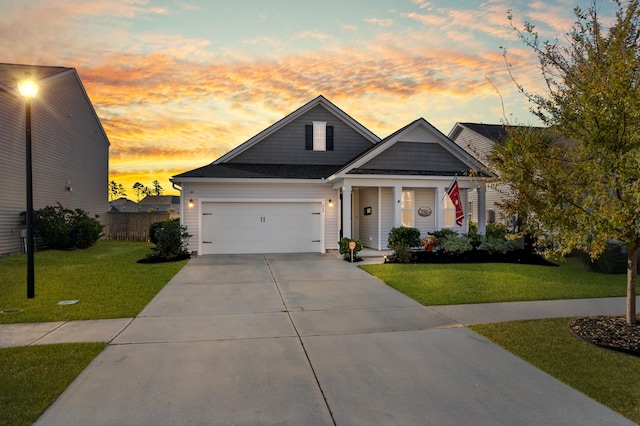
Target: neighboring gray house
<point>70,148</point>
<point>479,139</point>
<point>318,175</point>
<point>123,204</point>
<point>160,203</point>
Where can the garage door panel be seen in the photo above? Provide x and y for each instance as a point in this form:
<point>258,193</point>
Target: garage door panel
<point>261,227</point>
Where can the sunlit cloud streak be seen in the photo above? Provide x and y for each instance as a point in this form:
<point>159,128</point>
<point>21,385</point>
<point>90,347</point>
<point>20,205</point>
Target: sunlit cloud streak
<point>170,102</point>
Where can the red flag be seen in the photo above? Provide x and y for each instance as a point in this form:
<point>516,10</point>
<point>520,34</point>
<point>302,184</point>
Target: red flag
<point>454,195</point>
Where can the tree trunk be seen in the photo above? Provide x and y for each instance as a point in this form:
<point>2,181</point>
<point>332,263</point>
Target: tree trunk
<point>632,273</point>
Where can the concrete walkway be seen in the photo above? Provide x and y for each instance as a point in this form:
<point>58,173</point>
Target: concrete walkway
<point>305,340</point>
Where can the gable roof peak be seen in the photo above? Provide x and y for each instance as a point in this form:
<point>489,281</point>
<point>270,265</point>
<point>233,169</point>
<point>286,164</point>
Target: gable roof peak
<point>318,100</point>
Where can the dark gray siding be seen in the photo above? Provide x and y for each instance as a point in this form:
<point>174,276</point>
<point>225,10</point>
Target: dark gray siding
<point>416,156</point>
<point>287,145</point>
<point>68,146</point>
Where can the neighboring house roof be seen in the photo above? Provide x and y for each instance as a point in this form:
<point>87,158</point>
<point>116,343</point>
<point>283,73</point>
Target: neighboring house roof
<point>120,201</point>
<point>160,199</point>
<point>11,73</point>
<point>494,132</point>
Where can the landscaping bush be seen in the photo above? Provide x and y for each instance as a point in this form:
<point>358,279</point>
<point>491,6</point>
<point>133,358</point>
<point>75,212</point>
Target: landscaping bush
<point>613,260</point>
<point>345,251</point>
<point>497,230</point>
<point>455,243</point>
<point>400,241</point>
<point>62,228</point>
<point>170,242</point>
<point>86,230</point>
<point>474,236</point>
<point>404,236</point>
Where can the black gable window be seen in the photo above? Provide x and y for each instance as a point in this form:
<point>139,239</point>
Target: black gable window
<point>318,136</point>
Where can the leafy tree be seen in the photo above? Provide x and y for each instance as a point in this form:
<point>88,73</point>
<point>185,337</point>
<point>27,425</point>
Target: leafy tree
<point>116,190</point>
<point>576,184</point>
<point>157,188</point>
<point>138,187</point>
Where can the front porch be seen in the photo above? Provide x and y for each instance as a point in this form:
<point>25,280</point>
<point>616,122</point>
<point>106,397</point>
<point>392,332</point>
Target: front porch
<point>368,213</point>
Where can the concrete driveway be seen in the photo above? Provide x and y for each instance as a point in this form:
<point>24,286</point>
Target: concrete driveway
<point>307,340</point>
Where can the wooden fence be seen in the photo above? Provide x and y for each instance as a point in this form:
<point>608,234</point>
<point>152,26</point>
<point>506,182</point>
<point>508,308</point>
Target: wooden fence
<point>132,226</point>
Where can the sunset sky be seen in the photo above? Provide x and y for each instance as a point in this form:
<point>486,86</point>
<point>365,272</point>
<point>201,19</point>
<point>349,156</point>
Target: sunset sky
<point>177,84</point>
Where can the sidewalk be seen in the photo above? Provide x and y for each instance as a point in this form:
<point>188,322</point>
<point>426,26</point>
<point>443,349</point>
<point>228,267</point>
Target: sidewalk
<point>306,340</point>
<point>46,333</point>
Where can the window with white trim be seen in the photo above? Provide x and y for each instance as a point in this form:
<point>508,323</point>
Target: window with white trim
<point>407,204</point>
<point>449,212</point>
<point>318,136</point>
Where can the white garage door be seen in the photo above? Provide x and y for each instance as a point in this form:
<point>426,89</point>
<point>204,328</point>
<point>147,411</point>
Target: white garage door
<point>278,227</point>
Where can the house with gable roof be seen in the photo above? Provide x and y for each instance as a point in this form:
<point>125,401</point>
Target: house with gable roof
<point>70,149</point>
<point>479,140</point>
<point>318,175</point>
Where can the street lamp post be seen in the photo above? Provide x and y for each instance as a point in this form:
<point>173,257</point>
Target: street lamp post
<point>28,89</point>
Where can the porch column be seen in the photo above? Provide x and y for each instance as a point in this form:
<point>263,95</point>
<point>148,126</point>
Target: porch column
<point>397,203</point>
<point>482,210</point>
<point>346,212</point>
<point>439,207</point>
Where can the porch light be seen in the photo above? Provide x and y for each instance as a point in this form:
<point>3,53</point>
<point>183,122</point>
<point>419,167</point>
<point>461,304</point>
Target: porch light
<point>191,203</point>
<point>330,202</point>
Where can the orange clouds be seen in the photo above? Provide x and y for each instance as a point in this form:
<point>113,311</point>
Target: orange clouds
<point>170,102</point>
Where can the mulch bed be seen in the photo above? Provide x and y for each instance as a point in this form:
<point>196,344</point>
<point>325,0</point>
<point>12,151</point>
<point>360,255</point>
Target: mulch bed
<point>611,332</point>
<point>479,256</point>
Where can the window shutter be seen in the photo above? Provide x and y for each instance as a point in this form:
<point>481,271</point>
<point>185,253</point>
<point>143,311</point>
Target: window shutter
<point>308,137</point>
<point>329,138</point>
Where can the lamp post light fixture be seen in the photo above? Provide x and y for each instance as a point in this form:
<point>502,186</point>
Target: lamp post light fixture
<point>28,89</point>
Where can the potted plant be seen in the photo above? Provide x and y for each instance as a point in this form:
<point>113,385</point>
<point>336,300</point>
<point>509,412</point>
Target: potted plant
<point>429,242</point>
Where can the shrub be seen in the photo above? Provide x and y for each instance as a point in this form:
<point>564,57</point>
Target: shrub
<point>346,251</point>
<point>444,233</point>
<point>62,228</point>
<point>401,240</point>
<point>495,244</point>
<point>153,228</point>
<point>498,230</point>
<point>87,230</point>
<point>401,254</point>
<point>404,236</point>
<point>170,241</point>
<point>474,236</point>
<point>613,260</point>
<point>456,243</point>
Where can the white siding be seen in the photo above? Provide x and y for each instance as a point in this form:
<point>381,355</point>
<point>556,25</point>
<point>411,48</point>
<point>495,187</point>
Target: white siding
<point>387,208</point>
<point>425,197</point>
<point>199,192</point>
<point>493,198</point>
<point>368,233</point>
<point>68,146</point>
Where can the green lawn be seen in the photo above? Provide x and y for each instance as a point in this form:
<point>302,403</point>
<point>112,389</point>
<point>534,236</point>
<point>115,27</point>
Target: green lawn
<point>450,284</point>
<point>34,376</point>
<point>611,378</point>
<point>105,279</point>
<point>108,283</point>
